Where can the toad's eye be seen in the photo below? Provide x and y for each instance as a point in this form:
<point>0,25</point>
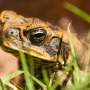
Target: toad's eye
<point>37,36</point>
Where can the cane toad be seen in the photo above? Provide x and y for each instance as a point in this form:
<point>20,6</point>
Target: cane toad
<point>38,38</point>
<point>35,37</point>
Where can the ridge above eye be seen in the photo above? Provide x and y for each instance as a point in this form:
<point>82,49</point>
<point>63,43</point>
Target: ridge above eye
<point>37,36</point>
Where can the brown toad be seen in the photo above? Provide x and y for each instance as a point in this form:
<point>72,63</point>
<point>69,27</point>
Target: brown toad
<point>39,39</point>
<point>35,37</point>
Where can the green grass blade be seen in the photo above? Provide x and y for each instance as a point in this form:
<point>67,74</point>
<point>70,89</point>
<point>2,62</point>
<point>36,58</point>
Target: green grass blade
<point>1,85</point>
<point>46,79</point>
<point>10,76</point>
<point>55,85</point>
<point>12,86</point>
<point>76,71</point>
<point>39,82</point>
<point>31,64</point>
<point>27,76</point>
<point>77,11</point>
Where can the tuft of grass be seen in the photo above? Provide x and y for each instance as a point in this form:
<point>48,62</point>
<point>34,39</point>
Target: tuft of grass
<point>81,78</point>
<point>28,79</point>
<point>74,64</point>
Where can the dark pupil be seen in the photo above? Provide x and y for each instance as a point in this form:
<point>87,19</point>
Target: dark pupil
<point>37,36</point>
